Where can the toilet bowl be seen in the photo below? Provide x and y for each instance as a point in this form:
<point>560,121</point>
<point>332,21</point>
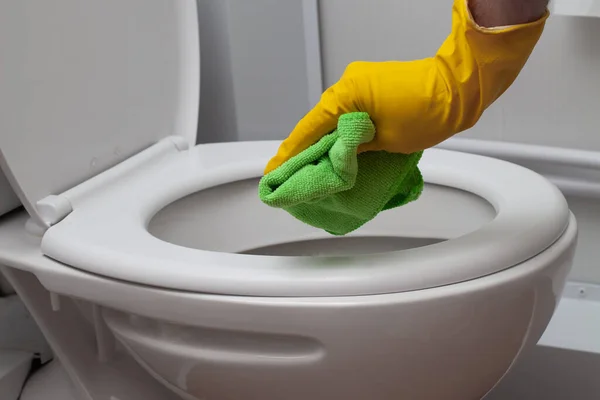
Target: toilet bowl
<point>153,262</point>
<point>218,296</point>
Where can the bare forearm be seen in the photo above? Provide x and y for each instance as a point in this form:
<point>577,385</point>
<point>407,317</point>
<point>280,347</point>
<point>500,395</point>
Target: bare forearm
<point>492,13</point>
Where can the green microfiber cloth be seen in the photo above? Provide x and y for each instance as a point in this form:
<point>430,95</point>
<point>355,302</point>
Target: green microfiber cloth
<point>331,187</point>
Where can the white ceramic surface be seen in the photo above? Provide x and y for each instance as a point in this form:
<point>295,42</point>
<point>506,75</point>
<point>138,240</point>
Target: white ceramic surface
<point>107,234</point>
<point>216,345</point>
<point>463,337</point>
<point>329,346</point>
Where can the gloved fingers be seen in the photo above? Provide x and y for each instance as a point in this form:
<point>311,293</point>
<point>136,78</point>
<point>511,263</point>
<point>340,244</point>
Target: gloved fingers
<point>389,137</point>
<point>370,146</point>
<point>318,122</point>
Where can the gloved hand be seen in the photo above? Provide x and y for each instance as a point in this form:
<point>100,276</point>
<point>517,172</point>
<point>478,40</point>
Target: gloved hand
<point>418,104</point>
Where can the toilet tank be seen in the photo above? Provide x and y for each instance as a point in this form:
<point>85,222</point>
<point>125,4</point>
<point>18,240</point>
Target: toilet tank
<point>85,85</point>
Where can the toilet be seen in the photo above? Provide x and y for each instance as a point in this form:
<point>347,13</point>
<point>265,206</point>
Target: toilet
<point>155,272</point>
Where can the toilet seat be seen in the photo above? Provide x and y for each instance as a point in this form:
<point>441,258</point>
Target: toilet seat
<point>106,233</point>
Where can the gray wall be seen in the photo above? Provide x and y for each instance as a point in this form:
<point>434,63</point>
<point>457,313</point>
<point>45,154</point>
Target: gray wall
<point>254,74</point>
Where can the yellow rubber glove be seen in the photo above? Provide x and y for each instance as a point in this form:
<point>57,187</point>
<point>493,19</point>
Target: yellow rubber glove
<point>418,104</point>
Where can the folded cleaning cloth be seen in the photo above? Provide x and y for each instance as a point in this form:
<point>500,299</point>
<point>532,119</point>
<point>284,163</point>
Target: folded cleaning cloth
<point>331,187</point>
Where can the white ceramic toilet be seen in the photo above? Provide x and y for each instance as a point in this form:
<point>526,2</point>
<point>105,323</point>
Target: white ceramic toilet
<point>132,233</point>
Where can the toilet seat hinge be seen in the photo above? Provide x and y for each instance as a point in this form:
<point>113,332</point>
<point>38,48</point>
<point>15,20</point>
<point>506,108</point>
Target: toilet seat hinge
<point>53,209</point>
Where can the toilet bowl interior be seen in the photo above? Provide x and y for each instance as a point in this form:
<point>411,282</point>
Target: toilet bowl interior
<point>230,218</point>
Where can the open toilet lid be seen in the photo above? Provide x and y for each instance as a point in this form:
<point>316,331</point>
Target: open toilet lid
<point>87,84</point>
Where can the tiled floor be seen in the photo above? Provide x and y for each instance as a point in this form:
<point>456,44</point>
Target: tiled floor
<point>14,367</point>
<point>546,373</point>
<point>49,383</point>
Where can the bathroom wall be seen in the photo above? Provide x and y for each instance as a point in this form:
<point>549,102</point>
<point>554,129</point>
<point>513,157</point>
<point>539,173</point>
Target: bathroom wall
<point>217,120</point>
<point>254,72</point>
<point>554,101</point>
<point>5,287</point>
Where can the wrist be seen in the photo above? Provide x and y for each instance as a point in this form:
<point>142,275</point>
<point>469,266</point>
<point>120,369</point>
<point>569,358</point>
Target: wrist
<point>495,13</point>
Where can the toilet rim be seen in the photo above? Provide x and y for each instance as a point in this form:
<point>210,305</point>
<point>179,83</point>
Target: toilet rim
<point>113,241</point>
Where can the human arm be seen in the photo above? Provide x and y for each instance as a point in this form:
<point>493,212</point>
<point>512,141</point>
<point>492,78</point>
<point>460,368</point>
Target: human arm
<point>418,104</point>
<point>491,13</point>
